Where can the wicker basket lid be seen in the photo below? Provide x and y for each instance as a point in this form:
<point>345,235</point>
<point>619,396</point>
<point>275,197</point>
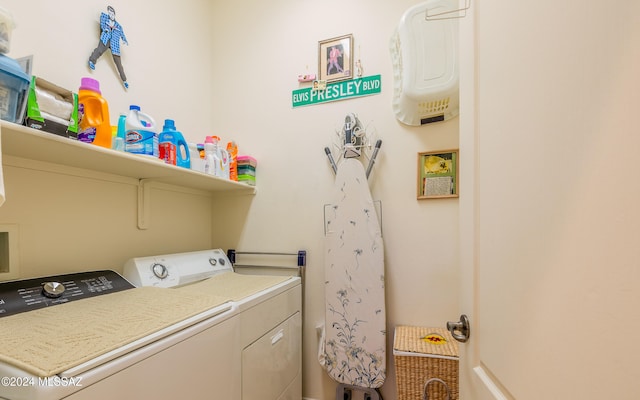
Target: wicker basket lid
<point>422,340</point>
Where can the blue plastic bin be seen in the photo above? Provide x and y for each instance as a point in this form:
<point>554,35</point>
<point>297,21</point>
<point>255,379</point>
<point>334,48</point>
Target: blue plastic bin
<point>13,86</point>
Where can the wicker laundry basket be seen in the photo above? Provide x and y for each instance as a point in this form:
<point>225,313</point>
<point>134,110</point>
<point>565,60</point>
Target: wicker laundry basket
<point>421,354</point>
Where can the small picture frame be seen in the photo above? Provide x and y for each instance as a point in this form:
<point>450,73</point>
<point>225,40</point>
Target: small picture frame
<point>438,174</point>
<point>335,61</point>
<point>319,85</point>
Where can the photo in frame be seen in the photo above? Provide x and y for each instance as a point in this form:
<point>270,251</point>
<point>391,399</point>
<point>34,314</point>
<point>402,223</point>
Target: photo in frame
<point>335,59</point>
<point>319,85</point>
<point>438,174</point>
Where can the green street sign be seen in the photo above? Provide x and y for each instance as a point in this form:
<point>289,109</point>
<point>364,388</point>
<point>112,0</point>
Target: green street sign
<point>337,91</point>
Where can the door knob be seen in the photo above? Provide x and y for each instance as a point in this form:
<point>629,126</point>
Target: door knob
<point>460,330</point>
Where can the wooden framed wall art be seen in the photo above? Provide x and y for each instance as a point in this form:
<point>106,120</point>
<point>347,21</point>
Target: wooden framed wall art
<point>438,174</point>
<point>335,61</point>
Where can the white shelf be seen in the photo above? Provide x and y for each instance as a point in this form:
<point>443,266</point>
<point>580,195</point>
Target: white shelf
<point>24,142</point>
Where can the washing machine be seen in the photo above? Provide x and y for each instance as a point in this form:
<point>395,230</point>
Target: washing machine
<point>172,326</point>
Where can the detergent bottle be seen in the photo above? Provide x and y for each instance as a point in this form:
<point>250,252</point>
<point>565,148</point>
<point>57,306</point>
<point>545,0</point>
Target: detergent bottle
<point>211,159</point>
<point>93,114</point>
<point>232,149</point>
<point>222,159</point>
<point>118,140</point>
<point>141,136</point>
<point>222,169</point>
<point>197,163</point>
<point>183,153</point>
<point>173,149</point>
<point>225,161</point>
<point>166,142</point>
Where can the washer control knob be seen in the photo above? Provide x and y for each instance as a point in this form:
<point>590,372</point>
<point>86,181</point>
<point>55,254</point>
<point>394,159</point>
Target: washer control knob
<point>213,261</point>
<point>160,270</point>
<point>53,290</point>
<point>221,261</point>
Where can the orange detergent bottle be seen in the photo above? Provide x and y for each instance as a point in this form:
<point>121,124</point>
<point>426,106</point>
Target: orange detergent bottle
<point>232,149</point>
<point>93,114</point>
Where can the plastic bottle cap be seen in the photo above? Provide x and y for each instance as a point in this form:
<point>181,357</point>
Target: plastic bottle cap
<point>90,84</point>
<point>208,139</point>
<point>134,107</point>
<point>169,124</point>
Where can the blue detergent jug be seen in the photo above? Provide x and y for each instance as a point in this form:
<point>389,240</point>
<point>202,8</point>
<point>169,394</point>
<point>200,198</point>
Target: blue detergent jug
<point>173,149</point>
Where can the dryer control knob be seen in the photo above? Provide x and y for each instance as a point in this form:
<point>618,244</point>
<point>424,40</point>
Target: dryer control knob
<point>160,271</point>
<point>53,290</point>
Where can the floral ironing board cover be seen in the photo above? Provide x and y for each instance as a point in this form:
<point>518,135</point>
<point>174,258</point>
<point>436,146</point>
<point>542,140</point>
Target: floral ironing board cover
<point>353,346</point>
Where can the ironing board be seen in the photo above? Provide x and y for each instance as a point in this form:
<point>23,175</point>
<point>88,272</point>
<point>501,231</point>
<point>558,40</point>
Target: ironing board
<point>352,349</point>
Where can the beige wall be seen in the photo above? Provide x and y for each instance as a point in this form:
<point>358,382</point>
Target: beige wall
<point>273,43</point>
<point>69,219</point>
<point>230,71</point>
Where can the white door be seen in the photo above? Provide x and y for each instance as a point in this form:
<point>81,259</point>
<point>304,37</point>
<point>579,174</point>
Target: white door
<point>550,199</point>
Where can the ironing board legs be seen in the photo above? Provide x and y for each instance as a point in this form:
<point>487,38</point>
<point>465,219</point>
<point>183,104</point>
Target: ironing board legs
<point>344,392</point>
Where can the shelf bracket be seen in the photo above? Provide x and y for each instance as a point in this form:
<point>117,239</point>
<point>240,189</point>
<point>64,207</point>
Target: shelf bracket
<point>144,203</point>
